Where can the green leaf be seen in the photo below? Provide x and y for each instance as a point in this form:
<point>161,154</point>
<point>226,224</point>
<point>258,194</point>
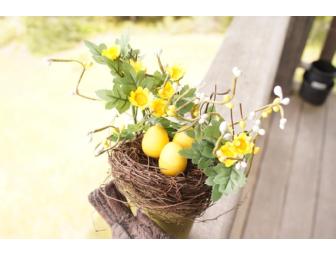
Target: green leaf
<point>104,94</point>
<point>191,91</point>
<point>114,98</point>
<point>209,171</point>
<point>206,150</point>
<point>94,49</point>
<point>190,132</point>
<point>204,163</point>
<point>187,153</point>
<point>212,132</point>
<point>123,41</point>
<point>151,82</point>
<point>216,193</point>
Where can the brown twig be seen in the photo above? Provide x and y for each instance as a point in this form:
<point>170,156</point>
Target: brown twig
<point>76,92</point>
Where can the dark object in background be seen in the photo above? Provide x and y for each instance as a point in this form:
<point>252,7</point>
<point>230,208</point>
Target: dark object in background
<point>318,80</point>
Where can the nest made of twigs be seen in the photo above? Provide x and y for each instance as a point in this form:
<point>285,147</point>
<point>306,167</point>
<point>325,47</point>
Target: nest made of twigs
<point>173,199</point>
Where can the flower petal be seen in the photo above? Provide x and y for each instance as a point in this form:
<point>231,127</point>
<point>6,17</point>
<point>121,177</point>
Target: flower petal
<point>227,136</point>
<point>285,101</point>
<point>278,91</point>
<point>261,132</point>
<point>222,127</point>
<point>283,122</point>
<point>251,115</point>
<point>236,72</point>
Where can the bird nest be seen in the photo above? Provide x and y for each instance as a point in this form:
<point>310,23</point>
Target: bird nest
<point>171,199</point>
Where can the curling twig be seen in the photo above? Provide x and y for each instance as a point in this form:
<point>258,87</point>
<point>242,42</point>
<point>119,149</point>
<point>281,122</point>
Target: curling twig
<point>84,67</point>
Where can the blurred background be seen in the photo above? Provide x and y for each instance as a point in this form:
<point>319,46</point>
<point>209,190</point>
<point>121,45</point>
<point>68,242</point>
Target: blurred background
<point>47,165</point>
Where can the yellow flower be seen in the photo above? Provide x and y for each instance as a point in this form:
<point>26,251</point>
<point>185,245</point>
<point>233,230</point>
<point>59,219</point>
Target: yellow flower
<point>171,111</point>
<point>111,53</point>
<point>226,153</point>
<point>175,72</point>
<point>137,65</point>
<point>158,106</point>
<point>167,91</point>
<point>139,97</point>
<point>243,144</point>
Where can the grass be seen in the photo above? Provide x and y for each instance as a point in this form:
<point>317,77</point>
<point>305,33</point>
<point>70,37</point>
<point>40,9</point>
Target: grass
<point>47,167</point>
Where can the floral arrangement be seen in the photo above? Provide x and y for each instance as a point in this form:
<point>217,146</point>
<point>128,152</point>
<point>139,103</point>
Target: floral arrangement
<point>177,123</point>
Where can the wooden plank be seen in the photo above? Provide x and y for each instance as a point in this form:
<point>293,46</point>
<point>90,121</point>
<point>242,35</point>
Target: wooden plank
<point>266,208</point>
<point>254,44</point>
<point>296,38</point>
<point>248,192</point>
<point>325,223</point>
<point>329,47</point>
<point>300,199</point>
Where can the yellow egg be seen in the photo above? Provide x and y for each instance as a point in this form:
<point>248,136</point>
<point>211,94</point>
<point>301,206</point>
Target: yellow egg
<point>171,163</point>
<point>183,139</point>
<point>154,140</point>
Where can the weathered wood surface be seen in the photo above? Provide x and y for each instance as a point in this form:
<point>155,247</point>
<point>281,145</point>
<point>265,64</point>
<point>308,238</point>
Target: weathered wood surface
<point>295,191</point>
<point>325,212</point>
<point>110,204</point>
<point>329,47</point>
<point>254,44</point>
<point>296,38</point>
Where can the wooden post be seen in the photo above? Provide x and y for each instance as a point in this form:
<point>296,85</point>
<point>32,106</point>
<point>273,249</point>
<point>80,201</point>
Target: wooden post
<point>296,38</point>
<point>109,203</point>
<point>329,47</point>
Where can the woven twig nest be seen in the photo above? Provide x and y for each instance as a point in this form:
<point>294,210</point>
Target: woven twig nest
<point>172,199</point>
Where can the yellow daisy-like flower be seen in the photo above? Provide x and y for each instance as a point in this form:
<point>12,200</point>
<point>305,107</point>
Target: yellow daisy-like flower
<point>158,107</point>
<point>175,72</point>
<point>138,66</point>
<point>226,153</point>
<point>243,144</point>
<point>139,97</point>
<point>112,52</point>
<point>167,91</point>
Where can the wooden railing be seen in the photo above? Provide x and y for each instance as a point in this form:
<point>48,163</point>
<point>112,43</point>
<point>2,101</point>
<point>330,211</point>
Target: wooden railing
<point>267,50</point>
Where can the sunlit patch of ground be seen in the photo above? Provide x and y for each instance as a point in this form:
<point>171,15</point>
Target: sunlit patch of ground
<point>47,167</point>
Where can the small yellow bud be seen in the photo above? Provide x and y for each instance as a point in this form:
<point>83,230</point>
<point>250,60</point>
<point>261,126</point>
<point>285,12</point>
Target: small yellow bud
<point>242,124</point>
<point>229,105</point>
<point>266,112</point>
<point>195,111</point>
<point>276,108</point>
<point>122,127</point>
<point>256,150</point>
<point>106,143</point>
<point>171,111</point>
<point>88,65</point>
<point>227,98</point>
<point>277,101</point>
